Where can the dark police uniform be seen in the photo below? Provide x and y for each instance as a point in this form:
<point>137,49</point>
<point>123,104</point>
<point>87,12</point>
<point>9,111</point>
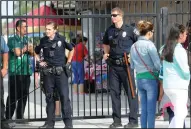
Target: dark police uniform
<point>120,41</point>
<point>56,77</point>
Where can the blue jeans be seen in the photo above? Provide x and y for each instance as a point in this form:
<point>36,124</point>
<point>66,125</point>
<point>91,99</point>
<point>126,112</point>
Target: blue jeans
<point>78,71</point>
<point>148,90</point>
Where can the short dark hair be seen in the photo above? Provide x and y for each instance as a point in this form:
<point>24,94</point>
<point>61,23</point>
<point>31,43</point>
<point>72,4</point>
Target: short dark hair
<point>19,23</point>
<point>85,39</point>
<point>79,38</point>
<point>119,10</point>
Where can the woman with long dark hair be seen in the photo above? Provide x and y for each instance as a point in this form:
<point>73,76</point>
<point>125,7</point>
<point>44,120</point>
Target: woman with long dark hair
<point>176,74</point>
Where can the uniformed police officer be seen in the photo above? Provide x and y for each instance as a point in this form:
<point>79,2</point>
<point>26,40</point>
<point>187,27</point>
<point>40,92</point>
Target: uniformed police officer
<point>117,40</point>
<point>55,75</point>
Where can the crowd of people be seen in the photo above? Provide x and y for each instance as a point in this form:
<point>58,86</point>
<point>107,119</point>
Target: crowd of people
<point>160,76</point>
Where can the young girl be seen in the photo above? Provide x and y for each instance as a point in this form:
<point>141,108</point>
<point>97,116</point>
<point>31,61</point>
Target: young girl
<point>176,74</point>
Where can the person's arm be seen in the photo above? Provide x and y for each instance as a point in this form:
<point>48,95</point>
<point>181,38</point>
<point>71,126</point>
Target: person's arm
<point>85,52</point>
<point>71,51</point>
<point>70,55</point>
<point>5,64</point>
<point>106,47</point>
<point>131,59</point>
<point>15,47</point>
<point>154,56</point>
<point>135,34</point>
<point>181,58</point>
<point>37,50</point>
<point>4,52</point>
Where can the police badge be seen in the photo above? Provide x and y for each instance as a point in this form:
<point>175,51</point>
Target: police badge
<point>59,43</point>
<point>124,34</point>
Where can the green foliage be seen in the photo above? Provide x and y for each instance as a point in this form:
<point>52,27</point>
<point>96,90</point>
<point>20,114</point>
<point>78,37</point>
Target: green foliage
<point>24,7</point>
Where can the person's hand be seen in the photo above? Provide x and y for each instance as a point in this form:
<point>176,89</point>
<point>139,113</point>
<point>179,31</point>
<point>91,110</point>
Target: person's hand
<point>24,48</point>
<point>128,56</point>
<point>68,69</point>
<point>161,91</point>
<point>105,56</point>
<point>36,80</point>
<point>3,72</point>
<point>43,64</point>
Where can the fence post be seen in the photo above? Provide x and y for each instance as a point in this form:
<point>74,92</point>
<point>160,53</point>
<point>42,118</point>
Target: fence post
<point>164,23</point>
<point>0,61</point>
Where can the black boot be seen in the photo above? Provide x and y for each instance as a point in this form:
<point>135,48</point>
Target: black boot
<point>5,125</point>
<point>47,125</point>
<point>131,125</point>
<point>68,127</point>
<point>115,125</point>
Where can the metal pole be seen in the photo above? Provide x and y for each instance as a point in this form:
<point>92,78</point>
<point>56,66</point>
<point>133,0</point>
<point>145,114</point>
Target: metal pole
<point>190,9</point>
<point>164,23</point>
<point>157,11</point>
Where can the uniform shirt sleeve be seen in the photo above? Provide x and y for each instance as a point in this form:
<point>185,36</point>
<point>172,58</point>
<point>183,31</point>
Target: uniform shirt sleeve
<point>105,38</point>
<point>68,46</point>
<point>180,57</point>
<point>154,56</point>
<point>39,47</point>
<point>4,47</point>
<point>135,34</point>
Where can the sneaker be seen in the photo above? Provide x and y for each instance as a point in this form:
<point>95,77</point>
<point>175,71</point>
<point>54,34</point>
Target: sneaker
<point>115,125</point>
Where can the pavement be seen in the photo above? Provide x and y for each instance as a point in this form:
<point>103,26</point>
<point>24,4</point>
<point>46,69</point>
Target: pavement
<point>96,123</point>
<point>82,105</point>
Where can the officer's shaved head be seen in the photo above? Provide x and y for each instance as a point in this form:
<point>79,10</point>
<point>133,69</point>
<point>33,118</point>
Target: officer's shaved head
<point>119,10</point>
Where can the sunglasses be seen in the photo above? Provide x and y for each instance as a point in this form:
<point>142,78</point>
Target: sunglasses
<point>114,15</point>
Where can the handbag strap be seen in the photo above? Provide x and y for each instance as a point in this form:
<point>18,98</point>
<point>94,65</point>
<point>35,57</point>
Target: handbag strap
<point>145,64</point>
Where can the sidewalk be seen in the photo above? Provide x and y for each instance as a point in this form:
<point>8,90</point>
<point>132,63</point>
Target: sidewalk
<point>97,123</point>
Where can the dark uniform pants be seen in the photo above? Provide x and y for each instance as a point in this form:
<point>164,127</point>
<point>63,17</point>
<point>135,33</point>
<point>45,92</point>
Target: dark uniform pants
<point>2,100</point>
<point>116,76</point>
<point>60,82</point>
<point>18,93</point>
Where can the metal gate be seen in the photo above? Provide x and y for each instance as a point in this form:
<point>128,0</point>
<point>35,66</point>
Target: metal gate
<point>89,18</point>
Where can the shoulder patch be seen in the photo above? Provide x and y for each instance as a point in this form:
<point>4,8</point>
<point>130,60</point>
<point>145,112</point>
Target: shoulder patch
<point>135,31</point>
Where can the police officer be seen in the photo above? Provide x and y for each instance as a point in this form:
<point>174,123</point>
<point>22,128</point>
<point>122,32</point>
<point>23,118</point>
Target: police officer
<point>55,75</point>
<point>117,40</point>
<point>4,55</point>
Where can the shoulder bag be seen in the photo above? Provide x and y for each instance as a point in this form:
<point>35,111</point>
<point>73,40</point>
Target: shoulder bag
<point>160,88</point>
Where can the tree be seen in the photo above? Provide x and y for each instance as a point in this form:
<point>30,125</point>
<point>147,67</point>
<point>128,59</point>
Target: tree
<point>24,7</point>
